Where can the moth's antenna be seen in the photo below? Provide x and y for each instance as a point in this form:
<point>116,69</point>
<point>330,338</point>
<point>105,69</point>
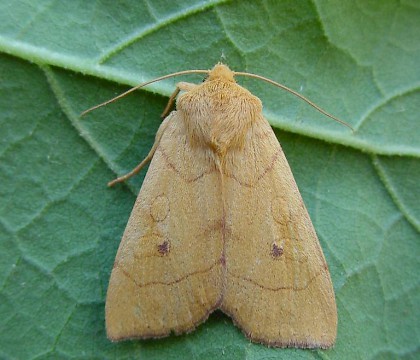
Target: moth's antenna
<point>294,93</point>
<point>144,84</point>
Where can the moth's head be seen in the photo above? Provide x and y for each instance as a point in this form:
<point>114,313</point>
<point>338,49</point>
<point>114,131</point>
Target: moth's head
<point>222,72</point>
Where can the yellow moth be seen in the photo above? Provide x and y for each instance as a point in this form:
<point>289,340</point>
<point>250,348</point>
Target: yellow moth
<point>219,223</point>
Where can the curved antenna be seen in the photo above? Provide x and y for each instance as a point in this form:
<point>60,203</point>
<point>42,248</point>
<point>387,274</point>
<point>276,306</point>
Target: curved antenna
<point>144,84</point>
<point>294,93</point>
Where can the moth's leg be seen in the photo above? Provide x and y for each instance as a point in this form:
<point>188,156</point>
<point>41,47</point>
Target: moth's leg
<point>180,86</point>
<point>149,156</point>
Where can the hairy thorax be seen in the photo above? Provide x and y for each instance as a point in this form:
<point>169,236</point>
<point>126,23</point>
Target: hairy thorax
<point>218,115</point>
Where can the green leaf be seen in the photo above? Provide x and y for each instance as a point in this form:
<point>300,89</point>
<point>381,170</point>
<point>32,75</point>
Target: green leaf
<point>60,225</point>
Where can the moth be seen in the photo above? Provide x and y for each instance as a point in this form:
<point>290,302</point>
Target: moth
<point>219,223</point>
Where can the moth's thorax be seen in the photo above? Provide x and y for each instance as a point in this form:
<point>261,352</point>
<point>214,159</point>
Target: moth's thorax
<point>218,114</point>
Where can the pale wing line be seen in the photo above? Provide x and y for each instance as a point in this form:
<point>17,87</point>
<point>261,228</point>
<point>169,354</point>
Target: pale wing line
<point>280,287</point>
<point>179,173</point>
<point>266,170</point>
<point>185,277</point>
<point>263,174</point>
